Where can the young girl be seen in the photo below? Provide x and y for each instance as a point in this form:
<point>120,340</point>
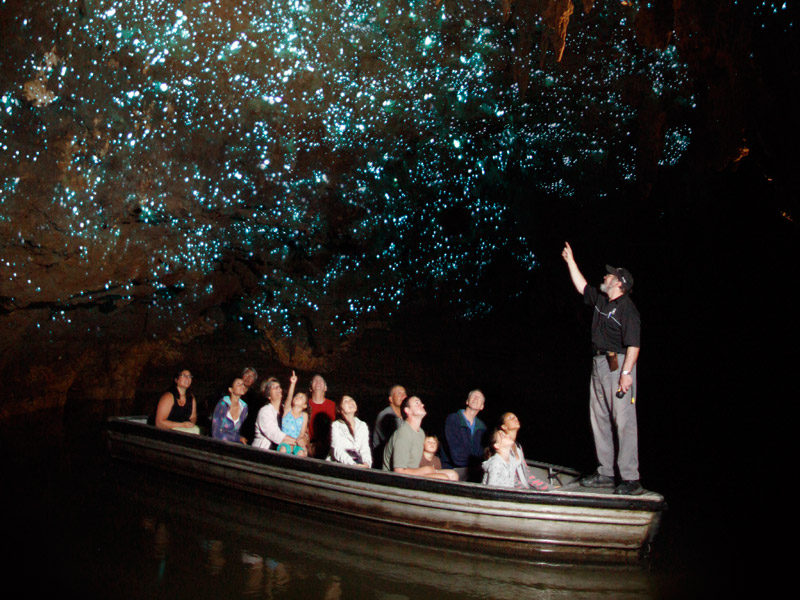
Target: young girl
<point>429,450</point>
<point>294,423</point>
<point>500,467</point>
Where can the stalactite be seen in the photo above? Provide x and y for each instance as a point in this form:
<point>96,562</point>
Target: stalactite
<point>554,33</point>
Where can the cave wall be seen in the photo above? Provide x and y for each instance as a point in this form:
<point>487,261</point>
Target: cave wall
<point>93,316</point>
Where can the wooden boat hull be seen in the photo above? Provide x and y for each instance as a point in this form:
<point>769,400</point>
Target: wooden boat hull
<point>566,523</point>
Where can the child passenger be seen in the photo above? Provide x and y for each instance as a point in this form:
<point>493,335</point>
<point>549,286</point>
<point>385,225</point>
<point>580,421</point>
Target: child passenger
<point>429,450</point>
<point>294,423</point>
<point>499,470</point>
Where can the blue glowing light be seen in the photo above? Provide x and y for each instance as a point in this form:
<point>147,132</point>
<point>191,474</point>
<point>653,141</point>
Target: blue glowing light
<point>345,151</point>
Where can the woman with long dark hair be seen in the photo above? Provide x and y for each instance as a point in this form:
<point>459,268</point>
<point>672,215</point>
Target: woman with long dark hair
<point>509,423</point>
<point>349,436</point>
<point>177,408</point>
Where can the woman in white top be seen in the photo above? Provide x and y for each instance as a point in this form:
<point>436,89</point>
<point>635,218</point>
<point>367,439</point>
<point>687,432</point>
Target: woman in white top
<point>500,466</point>
<point>524,479</point>
<point>349,436</point>
<point>268,424</point>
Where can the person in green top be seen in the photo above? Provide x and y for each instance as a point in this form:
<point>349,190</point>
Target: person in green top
<point>403,451</point>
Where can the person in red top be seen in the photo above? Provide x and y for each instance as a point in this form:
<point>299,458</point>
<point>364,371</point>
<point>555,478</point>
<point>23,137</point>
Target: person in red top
<point>323,413</point>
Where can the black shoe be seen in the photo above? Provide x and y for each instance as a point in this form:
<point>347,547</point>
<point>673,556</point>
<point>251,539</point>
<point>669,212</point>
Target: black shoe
<point>629,488</point>
<point>596,480</point>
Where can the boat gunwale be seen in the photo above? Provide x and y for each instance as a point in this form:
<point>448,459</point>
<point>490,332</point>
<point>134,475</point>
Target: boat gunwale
<point>136,426</point>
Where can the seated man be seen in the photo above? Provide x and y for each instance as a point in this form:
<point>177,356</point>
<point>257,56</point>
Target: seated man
<point>462,447</point>
<point>403,451</point>
<point>387,422</point>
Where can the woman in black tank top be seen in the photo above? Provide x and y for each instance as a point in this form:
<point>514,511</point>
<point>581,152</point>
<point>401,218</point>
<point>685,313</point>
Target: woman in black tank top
<point>177,407</point>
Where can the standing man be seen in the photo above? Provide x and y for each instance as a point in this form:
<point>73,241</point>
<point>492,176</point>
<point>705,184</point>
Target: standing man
<point>612,392</point>
<point>403,452</point>
<point>387,422</point>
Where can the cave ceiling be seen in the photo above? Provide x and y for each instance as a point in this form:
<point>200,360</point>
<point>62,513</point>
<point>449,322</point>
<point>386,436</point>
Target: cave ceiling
<point>301,168</point>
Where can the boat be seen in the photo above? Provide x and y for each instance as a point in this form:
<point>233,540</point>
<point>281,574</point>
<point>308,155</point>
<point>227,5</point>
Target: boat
<point>566,523</point>
<point>267,533</point>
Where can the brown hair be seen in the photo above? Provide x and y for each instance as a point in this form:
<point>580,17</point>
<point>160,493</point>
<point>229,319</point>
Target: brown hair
<point>490,450</point>
<point>340,415</point>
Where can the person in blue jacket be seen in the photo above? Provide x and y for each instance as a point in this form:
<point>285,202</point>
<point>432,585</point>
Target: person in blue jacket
<point>462,447</point>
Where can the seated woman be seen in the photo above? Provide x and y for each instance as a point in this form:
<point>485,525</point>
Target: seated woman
<point>349,436</point>
<point>268,430</point>
<point>523,478</point>
<point>500,466</point>
<point>177,407</point>
<point>294,423</point>
<point>230,413</point>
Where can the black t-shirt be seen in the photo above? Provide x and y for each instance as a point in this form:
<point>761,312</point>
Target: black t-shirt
<point>615,324</point>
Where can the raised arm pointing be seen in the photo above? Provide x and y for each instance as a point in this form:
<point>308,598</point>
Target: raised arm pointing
<point>578,280</point>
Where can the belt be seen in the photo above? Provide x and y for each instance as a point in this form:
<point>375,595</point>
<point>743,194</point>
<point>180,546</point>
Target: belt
<point>598,352</point>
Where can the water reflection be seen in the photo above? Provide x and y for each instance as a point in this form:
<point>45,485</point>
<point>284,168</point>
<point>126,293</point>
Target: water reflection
<point>185,539</point>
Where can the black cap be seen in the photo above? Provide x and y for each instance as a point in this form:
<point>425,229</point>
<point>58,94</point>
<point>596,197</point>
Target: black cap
<point>623,275</point>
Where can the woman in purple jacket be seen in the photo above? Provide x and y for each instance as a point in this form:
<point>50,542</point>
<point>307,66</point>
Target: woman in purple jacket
<point>230,413</point>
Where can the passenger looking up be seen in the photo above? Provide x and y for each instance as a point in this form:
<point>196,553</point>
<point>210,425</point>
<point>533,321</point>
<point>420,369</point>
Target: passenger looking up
<point>349,436</point>
<point>177,407</point>
<point>462,447</point>
<point>500,466</point>
<point>294,423</point>
<point>429,451</point>
<point>249,376</point>
<point>387,422</point>
<point>229,414</point>
<point>322,414</point>
<point>403,452</point>
<point>509,423</point>
<point>252,398</point>
<point>268,430</point>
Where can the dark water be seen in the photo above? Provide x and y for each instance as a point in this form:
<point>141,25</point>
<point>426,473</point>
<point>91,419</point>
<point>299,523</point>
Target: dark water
<point>80,523</point>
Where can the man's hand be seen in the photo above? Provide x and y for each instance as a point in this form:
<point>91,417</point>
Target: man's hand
<point>631,357</point>
<point>578,280</point>
<point>625,383</point>
<point>566,253</point>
